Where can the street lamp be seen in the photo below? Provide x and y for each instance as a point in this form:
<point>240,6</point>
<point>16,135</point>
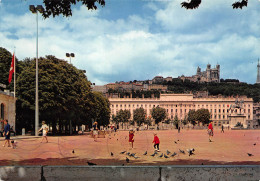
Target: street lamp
<point>35,10</point>
<point>70,55</point>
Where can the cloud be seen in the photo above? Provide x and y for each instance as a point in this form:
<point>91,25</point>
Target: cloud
<point>169,41</point>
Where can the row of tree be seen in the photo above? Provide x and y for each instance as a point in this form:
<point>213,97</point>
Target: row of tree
<point>64,94</point>
<point>159,114</point>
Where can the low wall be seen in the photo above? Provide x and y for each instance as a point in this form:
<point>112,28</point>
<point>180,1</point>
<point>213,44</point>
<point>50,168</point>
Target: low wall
<point>129,173</point>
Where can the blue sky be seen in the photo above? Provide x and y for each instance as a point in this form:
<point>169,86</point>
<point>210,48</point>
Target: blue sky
<point>139,39</point>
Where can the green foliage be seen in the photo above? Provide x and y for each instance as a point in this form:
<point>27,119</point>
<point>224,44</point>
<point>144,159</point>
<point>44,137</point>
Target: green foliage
<point>159,114</point>
<point>123,115</point>
<point>64,95</point>
<point>176,121</point>
<point>167,121</point>
<point>192,117</point>
<point>55,7</point>
<point>203,115</point>
<point>139,116</point>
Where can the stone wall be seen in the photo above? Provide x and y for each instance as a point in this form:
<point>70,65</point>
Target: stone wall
<point>129,173</point>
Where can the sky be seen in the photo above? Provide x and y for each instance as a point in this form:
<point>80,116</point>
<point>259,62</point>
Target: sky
<point>140,39</point>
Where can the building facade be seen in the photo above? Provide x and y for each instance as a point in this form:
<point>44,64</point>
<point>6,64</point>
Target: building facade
<point>180,104</point>
<point>7,109</point>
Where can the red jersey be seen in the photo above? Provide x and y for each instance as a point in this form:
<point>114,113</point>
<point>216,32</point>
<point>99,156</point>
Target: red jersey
<point>210,126</point>
<point>156,140</point>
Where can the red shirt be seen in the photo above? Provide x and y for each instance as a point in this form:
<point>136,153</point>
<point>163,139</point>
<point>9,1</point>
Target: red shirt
<point>210,126</point>
<point>156,140</point>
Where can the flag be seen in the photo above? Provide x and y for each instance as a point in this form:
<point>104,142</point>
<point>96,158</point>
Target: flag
<point>11,71</point>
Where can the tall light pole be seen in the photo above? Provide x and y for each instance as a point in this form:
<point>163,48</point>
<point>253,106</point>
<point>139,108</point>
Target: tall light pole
<point>70,55</point>
<point>35,10</point>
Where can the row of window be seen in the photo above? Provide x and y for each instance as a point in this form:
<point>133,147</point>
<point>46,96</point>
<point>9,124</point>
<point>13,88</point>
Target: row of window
<point>171,105</point>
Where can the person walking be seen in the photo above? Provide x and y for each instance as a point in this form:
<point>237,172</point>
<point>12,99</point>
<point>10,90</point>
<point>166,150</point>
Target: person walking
<point>210,131</point>
<point>6,133</point>
<point>222,128</point>
<point>95,131</point>
<point>44,130</point>
<point>156,142</point>
<point>131,137</point>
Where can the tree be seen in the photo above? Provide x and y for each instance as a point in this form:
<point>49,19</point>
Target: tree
<point>192,117</point>
<point>193,4</point>
<point>176,121</point>
<point>139,116</point>
<point>203,115</point>
<point>123,115</point>
<point>55,8</point>
<point>159,114</point>
<point>63,92</point>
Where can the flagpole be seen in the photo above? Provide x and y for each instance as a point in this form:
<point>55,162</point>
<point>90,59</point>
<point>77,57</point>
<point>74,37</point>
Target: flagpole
<point>14,75</point>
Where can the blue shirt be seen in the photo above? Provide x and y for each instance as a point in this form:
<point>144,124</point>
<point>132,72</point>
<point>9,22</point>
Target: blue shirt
<point>7,128</point>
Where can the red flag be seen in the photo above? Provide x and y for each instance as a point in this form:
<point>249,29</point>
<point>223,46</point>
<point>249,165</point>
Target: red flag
<point>11,71</point>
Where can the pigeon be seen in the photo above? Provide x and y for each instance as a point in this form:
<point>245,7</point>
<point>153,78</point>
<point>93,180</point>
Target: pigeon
<point>190,151</point>
<point>175,142</point>
<point>127,160</point>
<point>133,154</point>
<point>161,155</point>
<point>168,152</point>
<point>249,154</point>
<point>136,157</point>
<point>90,163</point>
<point>116,139</point>
<point>178,140</point>
<point>173,154</point>
<point>182,151</point>
<point>165,156</point>
<point>73,151</point>
<point>112,154</point>
<point>145,153</point>
<point>122,152</point>
<point>254,144</point>
<point>153,154</point>
<point>128,153</point>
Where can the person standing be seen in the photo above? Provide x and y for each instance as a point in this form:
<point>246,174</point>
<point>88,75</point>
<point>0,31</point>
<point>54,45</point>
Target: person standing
<point>131,137</point>
<point>210,131</point>
<point>222,128</point>
<point>44,130</point>
<point>7,133</point>
<point>95,131</point>
<point>156,142</point>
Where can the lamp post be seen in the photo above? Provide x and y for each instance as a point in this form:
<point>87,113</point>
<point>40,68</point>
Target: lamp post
<point>70,55</point>
<point>35,10</point>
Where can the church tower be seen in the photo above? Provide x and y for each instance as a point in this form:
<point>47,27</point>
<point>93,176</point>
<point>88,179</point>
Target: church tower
<point>258,73</point>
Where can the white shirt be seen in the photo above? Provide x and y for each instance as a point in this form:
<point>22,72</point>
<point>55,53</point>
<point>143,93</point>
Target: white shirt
<point>44,129</point>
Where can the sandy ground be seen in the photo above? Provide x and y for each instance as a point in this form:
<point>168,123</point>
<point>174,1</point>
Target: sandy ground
<point>229,148</point>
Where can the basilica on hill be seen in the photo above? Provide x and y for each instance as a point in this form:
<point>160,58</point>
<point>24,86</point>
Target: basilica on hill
<point>209,75</point>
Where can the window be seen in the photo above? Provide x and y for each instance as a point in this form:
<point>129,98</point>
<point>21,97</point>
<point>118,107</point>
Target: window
<point>171,110</point>
<point>116,105</point>
<point>215,111</point>
<point>120,105</point>
<point>248,110</point>
<point>223,110</point>
<point>223,116</point>
<point>219,116</point>
<point>215,116</point>
<point>219,110</point>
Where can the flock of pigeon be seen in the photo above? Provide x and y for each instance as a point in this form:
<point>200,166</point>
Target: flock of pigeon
<point>168,154</point>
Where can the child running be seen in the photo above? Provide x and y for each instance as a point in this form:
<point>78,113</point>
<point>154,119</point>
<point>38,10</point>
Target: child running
<point>131,137</point>
<point>156,142</point>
